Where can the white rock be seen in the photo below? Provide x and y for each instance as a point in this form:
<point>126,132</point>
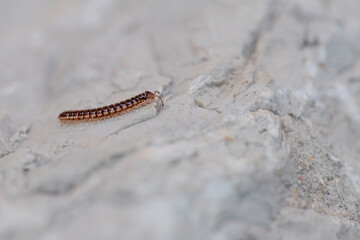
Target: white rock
<point>258,138</point>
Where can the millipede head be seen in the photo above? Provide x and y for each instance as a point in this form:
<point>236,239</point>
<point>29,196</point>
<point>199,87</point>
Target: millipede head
<point>149,94</point>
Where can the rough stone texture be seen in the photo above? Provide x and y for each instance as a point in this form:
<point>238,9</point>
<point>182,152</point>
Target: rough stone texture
<point>258,139</point>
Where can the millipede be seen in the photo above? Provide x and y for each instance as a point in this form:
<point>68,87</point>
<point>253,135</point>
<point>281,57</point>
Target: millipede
<point>112,110</point>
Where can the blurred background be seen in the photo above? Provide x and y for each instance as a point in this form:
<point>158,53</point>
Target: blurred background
<point>50,48</point>
<point>258,139</point>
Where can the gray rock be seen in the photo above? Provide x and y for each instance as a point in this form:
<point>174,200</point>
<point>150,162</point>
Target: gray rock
<point>258,138</point>
<point>5,134</point>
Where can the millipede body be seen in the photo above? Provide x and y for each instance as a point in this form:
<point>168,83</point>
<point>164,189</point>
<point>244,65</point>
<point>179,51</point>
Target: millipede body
<point>112,110</point>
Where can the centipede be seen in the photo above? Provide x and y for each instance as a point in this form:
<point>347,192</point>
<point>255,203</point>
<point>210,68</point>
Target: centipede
<point>109,111</point>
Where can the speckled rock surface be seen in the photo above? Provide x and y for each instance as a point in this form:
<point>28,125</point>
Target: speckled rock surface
<point>258,138</point>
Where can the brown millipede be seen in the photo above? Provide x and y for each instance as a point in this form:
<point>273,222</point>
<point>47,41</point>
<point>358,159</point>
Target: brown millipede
<point>112,110</point>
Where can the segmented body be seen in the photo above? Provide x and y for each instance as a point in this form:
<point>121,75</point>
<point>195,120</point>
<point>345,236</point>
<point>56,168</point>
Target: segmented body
<point>112,110</point>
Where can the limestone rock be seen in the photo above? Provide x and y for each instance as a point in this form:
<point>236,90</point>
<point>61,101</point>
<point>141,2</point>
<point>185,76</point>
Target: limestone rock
<point>258,138</point>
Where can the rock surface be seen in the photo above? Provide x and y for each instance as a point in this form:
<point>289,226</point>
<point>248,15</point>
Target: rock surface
<point>258,139</point>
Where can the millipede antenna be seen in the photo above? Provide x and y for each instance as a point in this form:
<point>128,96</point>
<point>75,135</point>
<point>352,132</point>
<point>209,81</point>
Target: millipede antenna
<point>157,94</point>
